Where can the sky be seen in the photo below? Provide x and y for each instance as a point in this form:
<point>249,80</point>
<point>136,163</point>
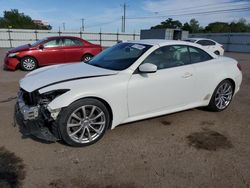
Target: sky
<point>105,15</point>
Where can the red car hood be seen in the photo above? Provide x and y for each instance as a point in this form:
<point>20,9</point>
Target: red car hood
<point>20,48</point>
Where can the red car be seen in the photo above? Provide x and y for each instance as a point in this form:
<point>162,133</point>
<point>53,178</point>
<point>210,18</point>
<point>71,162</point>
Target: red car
<point>49,51</point>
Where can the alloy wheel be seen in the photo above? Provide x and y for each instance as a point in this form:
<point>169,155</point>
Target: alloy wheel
<point>29,64</point>
<point>223,95</point>
<point>86,124</point>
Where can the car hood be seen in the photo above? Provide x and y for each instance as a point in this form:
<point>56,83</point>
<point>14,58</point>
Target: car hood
<point>50,75</point>
<point>20,48</point>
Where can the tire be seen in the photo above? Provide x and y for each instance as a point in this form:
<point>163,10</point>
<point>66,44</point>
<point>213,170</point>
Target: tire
<point>78,131</point>
<point>222,96</point>
<point>86,58</point>
<point>28,63</point>
<point>217,52</point>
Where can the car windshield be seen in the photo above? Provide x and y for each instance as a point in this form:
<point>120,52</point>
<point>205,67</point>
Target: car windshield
<point>38,42</point>
<point>120,56</point>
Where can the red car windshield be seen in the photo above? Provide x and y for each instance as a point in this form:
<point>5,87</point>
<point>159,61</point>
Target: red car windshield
<point>38,42</point>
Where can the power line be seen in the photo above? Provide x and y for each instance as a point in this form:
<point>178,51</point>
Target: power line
<point>193,13</point>
<point>205,6</point>
<point>101,24</point>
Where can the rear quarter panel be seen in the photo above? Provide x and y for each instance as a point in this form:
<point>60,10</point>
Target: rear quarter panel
<point>209,74</point>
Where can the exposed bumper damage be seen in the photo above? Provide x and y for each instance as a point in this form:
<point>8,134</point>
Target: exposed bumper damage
<point>35,118</point>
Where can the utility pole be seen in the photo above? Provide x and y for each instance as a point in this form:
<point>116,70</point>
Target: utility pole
<point>63,26</point>
<point>82,24</point>
<point>124,17</point>
<point>122,30</point>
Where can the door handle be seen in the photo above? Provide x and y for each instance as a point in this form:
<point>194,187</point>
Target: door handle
<point>187,75</point>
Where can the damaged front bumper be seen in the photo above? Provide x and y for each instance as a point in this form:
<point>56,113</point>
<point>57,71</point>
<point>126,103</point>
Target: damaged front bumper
<point>35,120</point>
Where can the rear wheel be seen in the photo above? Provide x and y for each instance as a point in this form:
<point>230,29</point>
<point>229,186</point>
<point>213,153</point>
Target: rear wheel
<point>84,122</point>
<point>28,63</point>
<point>86,58</point>
<point>222,96</point>
<point>217,52</point>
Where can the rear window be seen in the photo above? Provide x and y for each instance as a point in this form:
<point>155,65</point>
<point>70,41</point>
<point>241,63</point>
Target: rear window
<point>197,55</point>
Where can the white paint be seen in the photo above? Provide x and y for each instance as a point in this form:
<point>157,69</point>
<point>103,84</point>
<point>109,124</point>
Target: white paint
<point>138,96</point>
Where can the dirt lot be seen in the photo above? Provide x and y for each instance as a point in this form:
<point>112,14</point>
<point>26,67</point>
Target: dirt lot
<point>194,148</point>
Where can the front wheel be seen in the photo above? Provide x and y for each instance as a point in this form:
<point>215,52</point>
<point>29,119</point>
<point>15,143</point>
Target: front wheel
<point>28,63</point>
<point>84,122</point>
<point>222,96</point>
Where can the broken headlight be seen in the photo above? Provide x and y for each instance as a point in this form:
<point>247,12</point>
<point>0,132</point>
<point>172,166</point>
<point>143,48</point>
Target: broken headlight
<point>47,97</point>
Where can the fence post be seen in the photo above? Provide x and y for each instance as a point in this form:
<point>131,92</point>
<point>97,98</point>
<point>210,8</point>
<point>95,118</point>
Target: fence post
<point>9,37</point>
<point>80,34</point>
<point>36,35</point>
<point>100,37</point>
<point>117,37</point>
<point>228,41</point>
<point>134,36</point>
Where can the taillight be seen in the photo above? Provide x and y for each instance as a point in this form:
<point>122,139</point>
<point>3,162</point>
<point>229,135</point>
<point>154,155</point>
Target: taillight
<point>239,67</point>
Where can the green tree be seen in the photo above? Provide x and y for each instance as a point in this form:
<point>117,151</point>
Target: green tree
<point>218,27</point>
<point>240,26</point>
<point>169,23</point>
<point>193,26</point>
<point>186,27</point>
<point>17,20</point>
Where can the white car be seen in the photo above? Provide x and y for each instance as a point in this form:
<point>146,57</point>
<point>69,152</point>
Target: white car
<point>128,82</point>
<point>209,44</point>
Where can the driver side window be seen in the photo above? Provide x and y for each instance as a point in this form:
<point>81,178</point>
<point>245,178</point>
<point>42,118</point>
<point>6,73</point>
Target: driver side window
<point>169,56</point>
<point>53,43</point>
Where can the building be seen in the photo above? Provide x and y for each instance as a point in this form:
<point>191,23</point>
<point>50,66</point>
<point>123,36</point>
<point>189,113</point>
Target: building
<point>41,23</point>
<point>169,34</point>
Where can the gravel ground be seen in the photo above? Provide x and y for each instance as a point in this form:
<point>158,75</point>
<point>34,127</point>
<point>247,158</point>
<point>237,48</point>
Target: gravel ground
<point>177,150</point>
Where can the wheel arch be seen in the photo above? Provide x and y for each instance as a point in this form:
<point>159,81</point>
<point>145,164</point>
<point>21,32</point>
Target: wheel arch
<point>232,81</point>
<point>29,56</point>
<point>87,53</point>
<point>217,52</point>
<point>105,103</point>
<point>221,80</point>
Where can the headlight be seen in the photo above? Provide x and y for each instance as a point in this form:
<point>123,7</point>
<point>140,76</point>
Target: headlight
<point>47,97</point>
<point>13,54</point>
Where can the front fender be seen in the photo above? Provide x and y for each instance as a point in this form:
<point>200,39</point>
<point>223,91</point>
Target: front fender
<point>114,94</point>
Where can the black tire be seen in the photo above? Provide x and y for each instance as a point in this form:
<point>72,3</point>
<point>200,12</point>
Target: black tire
<point>86,58</point>
<point>217,52</point>
<point>213,105</point>
<point>66,115</point>
<point>28,63</point>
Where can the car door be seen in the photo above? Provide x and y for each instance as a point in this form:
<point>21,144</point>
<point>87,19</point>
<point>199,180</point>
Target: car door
<point>172,86</point>
<point>204,66</point>
<point>51,53</point>
<point>73,50</point>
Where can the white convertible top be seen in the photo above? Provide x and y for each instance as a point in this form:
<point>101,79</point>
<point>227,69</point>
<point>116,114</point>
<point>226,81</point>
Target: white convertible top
<point>162,42</point>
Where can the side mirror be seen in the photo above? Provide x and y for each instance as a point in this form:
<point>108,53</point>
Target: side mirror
<point>147,68</point>
<point>41,47</point>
